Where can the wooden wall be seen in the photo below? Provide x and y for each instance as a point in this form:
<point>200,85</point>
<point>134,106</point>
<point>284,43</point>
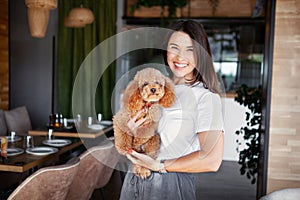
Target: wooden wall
<point>198,8</point>
<point>4,74</point>
<point>284,149</point>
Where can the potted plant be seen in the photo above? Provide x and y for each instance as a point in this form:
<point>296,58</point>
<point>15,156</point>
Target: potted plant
<point>248,156</point>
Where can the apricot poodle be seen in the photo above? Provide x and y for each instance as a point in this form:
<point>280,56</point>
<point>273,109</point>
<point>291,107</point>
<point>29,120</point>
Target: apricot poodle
<point>145,94</point>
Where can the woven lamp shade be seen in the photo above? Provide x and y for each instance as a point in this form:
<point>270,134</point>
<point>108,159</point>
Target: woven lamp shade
<point>73,23</point>
<point>49,4</point>
<point>79,17</point>
<point>38,21</point>
<point>38,12</point>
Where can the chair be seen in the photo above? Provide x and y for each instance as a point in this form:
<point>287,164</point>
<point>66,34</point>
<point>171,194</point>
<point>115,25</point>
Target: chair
<point>3,127</point>
<point>18,120</point>
<point>283,194</point>
<point>51,183</point>
<point>96,167</point>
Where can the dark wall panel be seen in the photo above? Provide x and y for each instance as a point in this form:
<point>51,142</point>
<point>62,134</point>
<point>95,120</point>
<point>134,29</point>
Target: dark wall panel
<point>31,64</point>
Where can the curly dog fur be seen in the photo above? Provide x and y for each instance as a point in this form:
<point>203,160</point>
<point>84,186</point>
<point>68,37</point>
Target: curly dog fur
<point>147,92</point>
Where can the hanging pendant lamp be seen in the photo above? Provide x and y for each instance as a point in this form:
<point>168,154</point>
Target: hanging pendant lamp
<point>79,17</point>
<point>72,23</point>
<point>38,12</point>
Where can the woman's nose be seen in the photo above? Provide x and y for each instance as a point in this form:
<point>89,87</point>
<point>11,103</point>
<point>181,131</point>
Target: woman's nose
<point>180,55</point>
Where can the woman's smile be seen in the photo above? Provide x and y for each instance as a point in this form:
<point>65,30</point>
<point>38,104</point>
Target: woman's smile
<point>180,56</point>
<point>180,65</point>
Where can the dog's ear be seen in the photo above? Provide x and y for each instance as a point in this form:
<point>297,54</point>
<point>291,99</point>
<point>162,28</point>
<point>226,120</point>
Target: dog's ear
<point>132,98</point>
<point>169,97</point>
<point>135,101</point>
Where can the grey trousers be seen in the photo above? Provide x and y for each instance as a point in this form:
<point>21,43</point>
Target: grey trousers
<point>167,186</point>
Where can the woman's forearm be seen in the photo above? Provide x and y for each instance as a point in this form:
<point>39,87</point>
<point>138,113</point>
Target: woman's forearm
<point>199,161</point>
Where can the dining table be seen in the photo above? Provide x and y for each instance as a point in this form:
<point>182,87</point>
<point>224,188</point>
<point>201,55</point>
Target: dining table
<point>84,131</point>
<point>27,160</point>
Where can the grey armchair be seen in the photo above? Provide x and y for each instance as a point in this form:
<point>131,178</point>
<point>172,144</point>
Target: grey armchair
<point>96,167</point>
<point>51,183</point>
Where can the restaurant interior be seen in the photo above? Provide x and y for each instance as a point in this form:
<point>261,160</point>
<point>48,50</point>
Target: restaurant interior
<point>63,68</point>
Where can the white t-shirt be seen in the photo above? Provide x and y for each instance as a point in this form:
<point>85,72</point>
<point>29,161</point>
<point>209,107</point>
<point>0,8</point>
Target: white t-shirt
<point>196,110</point>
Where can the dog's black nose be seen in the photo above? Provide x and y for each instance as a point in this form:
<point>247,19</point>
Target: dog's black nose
<point>153,90</point>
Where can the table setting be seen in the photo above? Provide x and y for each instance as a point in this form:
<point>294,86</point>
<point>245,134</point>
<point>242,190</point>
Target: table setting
<point>79,127</point>
<point>17,145</point>
<point>30,151</point>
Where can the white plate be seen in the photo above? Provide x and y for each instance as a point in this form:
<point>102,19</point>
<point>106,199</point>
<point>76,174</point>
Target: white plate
<point>70,120</point>
<point>106,122</point>
<point>69,127</point>
<point>96,126</point>
<point>14,151</point>
<point>16,138</point>
<point>57,142</point>
<point>41,151</point>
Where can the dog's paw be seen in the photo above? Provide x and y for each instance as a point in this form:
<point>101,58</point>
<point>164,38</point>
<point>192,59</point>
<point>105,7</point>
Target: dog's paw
<point>144,173</point>
<point>141,172</point>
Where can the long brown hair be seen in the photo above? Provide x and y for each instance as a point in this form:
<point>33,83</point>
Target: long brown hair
<point>204,71</point>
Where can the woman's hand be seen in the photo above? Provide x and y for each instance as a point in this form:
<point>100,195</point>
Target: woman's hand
<point>143,160</point>
<point>137,121</point>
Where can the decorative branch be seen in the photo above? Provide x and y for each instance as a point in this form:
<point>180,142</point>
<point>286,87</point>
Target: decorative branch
<point>214,5</point>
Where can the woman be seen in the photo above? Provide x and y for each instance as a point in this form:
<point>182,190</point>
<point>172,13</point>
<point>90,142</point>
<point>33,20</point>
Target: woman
<point>191,130</point>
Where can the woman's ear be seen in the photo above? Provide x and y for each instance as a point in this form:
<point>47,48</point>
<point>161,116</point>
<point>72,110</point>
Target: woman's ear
<point>169,98</point>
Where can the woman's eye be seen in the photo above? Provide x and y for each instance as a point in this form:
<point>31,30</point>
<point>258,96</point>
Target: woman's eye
<point>173,48</point>
<point>190,49</point>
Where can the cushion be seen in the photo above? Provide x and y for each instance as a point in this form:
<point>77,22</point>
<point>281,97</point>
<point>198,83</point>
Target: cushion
<point>3,127</point>
<point>283,194</point>
<point>18,120</point>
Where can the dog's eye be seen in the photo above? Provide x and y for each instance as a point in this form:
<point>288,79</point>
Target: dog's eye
<point>145,84</point>
<point>159,83</point>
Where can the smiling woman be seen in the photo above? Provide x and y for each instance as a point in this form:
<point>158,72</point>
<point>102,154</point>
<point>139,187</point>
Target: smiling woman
<point>181,56</point>
<point>241,53</point>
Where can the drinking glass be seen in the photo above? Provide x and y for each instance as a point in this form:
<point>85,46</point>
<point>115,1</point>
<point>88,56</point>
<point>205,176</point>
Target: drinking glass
<point>12,136</point>
<point>90,121</point>
<point>29,142</point>
<point>78,121</point>
<point>50,134</point>
<point>99,117</point>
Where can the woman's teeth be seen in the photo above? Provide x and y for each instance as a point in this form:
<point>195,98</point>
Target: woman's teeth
<point>180,65</point>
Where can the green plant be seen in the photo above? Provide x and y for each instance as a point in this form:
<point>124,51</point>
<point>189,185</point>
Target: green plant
<point>248,157</point>
<point>172,5</point>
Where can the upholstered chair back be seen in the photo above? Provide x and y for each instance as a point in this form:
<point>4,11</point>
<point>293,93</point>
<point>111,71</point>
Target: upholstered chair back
<point>18,120</point>
<point>51,183</point>
<point>96,167</point>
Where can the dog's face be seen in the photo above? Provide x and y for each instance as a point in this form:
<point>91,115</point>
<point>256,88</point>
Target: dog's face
<point>151,85</point>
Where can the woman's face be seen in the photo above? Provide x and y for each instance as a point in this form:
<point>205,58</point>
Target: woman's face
<point>180,57</point>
